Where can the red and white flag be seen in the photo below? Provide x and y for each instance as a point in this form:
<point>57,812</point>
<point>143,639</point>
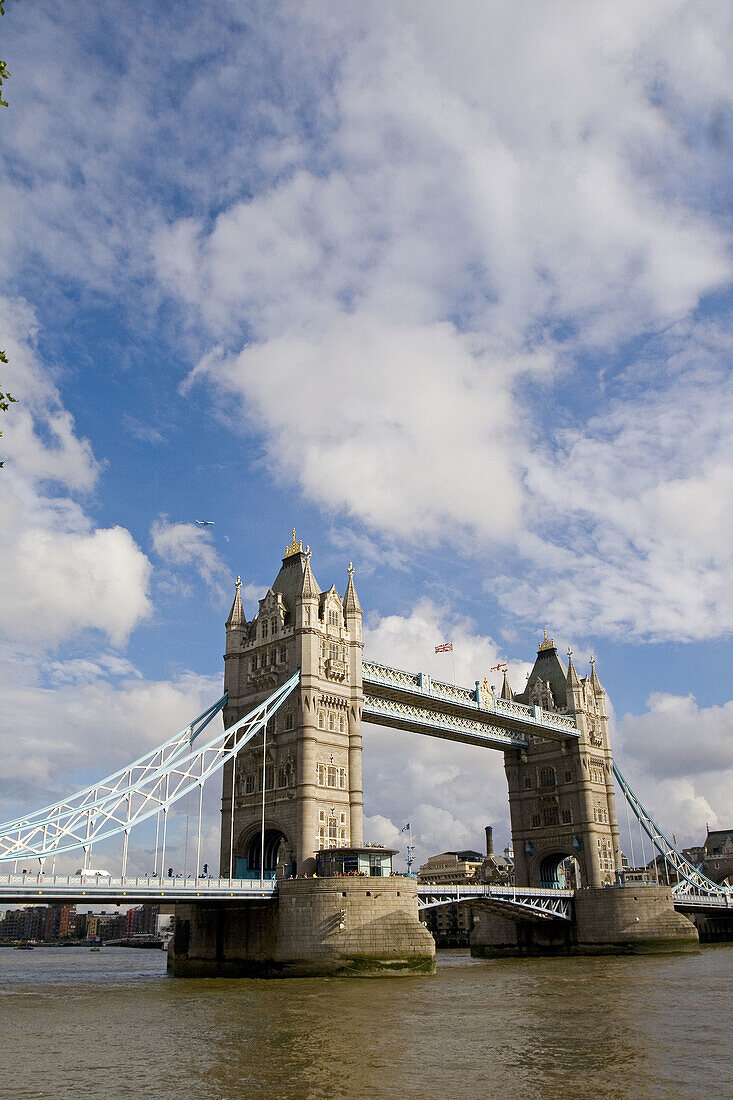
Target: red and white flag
<point>446,647</point>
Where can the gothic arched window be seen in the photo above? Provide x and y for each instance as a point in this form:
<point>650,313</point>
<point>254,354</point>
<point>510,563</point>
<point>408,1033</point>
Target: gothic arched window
<point>547,777</point>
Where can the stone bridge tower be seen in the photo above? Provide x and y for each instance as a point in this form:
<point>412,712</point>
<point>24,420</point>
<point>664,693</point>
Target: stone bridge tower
<point>313,783</point>
<point>561,796</point>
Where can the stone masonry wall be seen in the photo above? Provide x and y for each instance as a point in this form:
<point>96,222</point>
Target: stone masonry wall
<point>350,926</point>
<point>353,925</point>
<point>635,919</point>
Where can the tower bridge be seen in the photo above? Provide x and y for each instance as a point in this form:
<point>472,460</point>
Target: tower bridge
<point>296,691</point>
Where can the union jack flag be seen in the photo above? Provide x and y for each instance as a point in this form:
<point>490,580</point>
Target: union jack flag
<point>446,647</point>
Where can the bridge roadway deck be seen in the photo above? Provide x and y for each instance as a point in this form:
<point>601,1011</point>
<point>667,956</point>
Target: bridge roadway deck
<point>415,702</point>
<point>99,890</point>
<point>44,889</point>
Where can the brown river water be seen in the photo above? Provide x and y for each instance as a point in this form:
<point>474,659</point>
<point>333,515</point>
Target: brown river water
<point>112,1024</point>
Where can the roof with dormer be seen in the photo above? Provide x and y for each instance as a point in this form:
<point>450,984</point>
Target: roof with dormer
<point>549,668</point>
<point>291,579</point>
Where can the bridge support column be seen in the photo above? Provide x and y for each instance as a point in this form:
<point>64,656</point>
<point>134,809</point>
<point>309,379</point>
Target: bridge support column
<point>318,926</point>
<point>632,920</point>
<point>615,920</point>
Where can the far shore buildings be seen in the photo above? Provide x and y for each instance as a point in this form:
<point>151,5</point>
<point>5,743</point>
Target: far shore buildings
<point>62,923</point>
<point>451,924</point>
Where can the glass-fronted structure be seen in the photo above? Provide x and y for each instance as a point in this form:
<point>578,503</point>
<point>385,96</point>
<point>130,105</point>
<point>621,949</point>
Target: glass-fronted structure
<point>373,861</point>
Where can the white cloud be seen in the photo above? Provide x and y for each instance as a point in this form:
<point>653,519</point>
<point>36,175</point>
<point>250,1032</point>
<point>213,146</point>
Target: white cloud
<point>185,545</point>
<point>527,176</point>
<point>400,441</point>
<point>409,641</point>
<point>632,513</point>
<point>61,574</point>
<point>448,791</point>
<point>55,739</point>
<point>68,723</point>
<point>678,758</point>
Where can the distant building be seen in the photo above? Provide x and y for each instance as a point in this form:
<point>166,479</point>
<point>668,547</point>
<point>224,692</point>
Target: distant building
<point>714,858</point>
<point>79,925</point>
<point>25,923</point>
<point>451,924</point>
<point>451,867</point>
<point>66,921</point>
<point>106,926</point>
<point>142,920</point>
<point>718,855</point>
<point>497,870</point>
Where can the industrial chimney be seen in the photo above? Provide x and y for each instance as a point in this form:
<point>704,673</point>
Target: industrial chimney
<point>489,841</point>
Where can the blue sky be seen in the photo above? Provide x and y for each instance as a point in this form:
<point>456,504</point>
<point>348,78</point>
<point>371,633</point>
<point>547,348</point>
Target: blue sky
<point>445,286</point>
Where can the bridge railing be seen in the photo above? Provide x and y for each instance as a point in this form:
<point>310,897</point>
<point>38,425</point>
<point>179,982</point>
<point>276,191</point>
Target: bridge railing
<point>40,888</point>
<point>489,889</point>
<point>419,683</point>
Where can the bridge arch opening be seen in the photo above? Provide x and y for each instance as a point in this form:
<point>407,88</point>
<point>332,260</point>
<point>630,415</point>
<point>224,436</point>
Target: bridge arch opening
<point>560,871</point>
<point>249,863</point>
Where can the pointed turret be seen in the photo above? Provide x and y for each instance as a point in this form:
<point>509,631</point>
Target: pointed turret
<point>506,691</point>
<point>309,588</point>
<point>237,619</point>
<point>598,690</point>
<point>595,682</point>
<point>351,600</point>
<point>573,690</point>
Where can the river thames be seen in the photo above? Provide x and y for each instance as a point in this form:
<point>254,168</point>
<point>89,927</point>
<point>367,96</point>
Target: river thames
<point>112,1024</point>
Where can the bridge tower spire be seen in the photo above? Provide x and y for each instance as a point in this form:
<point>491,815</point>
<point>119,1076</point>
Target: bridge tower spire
<point>561,796</point>
<point>312,774</point>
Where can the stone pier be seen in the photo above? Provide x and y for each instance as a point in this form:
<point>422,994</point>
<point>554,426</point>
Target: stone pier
<point>314,927</point>
<point>636,920</point>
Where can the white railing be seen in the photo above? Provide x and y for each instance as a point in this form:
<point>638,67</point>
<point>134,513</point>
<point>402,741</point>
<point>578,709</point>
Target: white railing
<point>533,902</point>
<point>389,712</point>
<point>37,886</point>
<point>418,683</point>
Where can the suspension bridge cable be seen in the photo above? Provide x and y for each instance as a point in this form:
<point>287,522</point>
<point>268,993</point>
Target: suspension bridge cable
<point>164,778</point>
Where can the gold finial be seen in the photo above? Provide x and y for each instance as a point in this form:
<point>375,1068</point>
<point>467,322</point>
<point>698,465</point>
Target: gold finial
<point>547,643</point>
<point>296,547</point>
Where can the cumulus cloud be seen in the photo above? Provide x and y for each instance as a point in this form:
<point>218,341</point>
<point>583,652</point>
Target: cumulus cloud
<point>633,522</point>
<point>469,207</point>
<point>678,757</point>
<point>448,791</point>
<point>61,574</point>
<point>535,182</point>
<point>57,737</point>
<point>410,409</point>
<point>185,545</point>
<point>68,723</point>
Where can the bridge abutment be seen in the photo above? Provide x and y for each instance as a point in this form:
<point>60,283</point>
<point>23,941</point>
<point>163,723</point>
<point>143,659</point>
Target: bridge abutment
<point>632,920</point>
<point>635,920</point>
<point>314,927</point>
